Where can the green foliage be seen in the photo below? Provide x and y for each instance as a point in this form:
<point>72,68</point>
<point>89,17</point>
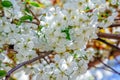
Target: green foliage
<point>40,27</point>
<point>87,8</point>
<point>66,31</point>
<point>2,73</point>
<point>33,3</point>
<point>26,17</point>
<point>27,10</point>
<point>6,4</point>
<point>22,19</point>
<point>27,0</point>
<point>76,56</point>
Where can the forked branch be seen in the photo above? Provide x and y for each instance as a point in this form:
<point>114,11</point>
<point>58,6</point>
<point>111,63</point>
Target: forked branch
<point>42,55</point>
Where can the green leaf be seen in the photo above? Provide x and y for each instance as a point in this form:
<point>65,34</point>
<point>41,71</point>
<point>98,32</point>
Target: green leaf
<point>33,3</point>
<point>27,10</point>
<point>87,9</point>
<point>6,4</point>
<point>66,31</point>
<point>27,0</point>
<point>2,73</point>
<point>76,56</point>
<point>40,27</point>
<point>26,17</point>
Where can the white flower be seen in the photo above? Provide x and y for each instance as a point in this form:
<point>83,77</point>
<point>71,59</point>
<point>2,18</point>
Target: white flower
<point>63,65</point>
<point>65,30</point>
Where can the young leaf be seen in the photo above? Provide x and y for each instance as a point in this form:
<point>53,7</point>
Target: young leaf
<point>26,17</point>
<point>36,4</point>
<point>27,0</point>
<point>27,10</point>
<point>2,73</point>
<point>87,9</point>
<point>76,56</point>
<point>40,27</point>
<point>6,4</point>
<point>66,31</point>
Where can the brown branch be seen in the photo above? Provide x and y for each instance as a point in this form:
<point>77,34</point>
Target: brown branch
<point>104,69</point>
<point>109,67</point>
<point>114,53</point>
<point>98,61</point>
<point>115,25</point>
<point>117,19</point>
<point>31,22</point>
<point>109,36</point>
<point>35,17</point>
<point>109,44</point>
<point>43,54</point>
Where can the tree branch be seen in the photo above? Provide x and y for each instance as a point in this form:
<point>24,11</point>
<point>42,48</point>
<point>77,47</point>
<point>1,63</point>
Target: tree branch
<point>115,25</point>
<point>109,67</point>
<point>98,61</point>
<point>42,55</point>
<point>109,44</point>
<point>35,17</point>
<point>31,22</point>
<point>109,36</point>
<point>117,19</point>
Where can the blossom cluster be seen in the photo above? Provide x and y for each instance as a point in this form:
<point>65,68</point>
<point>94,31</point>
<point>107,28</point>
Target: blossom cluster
<point>64,29</point>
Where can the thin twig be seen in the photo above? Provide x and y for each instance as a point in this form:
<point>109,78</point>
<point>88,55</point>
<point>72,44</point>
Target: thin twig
<point>35,17</point>
<point>31,22</point>
<point>117,19</point>
<point>115,25</point>
<point>109,36</point>
<point>103,68</point>
<point>109,67</point>
<point>43,54</point>
<point>109,44</point>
